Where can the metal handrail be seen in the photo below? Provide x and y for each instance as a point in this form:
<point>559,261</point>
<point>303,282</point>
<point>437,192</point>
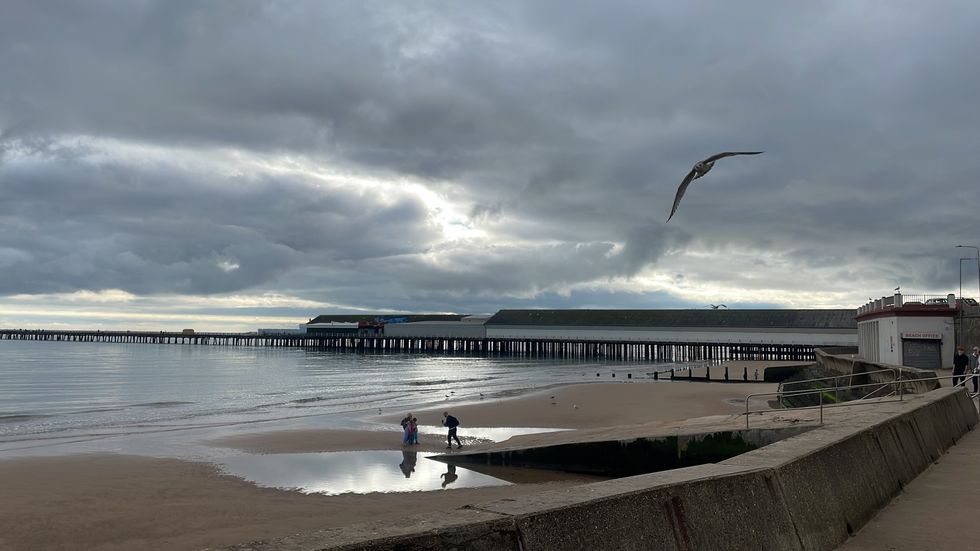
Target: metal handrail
<point>883,385</point>
<point>861,401</point>
<point>894,370</point>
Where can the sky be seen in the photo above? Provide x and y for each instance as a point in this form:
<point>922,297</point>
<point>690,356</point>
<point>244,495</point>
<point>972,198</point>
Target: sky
<point>229,164</point>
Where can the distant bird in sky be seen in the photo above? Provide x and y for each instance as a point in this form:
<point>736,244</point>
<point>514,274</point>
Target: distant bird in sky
<point>717,306</point>
<point>700,169</point>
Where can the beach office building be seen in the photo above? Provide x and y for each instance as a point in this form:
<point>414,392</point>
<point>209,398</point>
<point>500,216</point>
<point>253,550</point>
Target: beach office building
<point>913,331</point>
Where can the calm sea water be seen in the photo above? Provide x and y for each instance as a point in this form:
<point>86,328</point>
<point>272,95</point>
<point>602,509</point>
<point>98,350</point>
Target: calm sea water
<point>59,394</point>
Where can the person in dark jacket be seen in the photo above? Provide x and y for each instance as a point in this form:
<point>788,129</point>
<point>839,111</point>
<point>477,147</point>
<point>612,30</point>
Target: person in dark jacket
<point>960,361</point>
<point>451,422</point>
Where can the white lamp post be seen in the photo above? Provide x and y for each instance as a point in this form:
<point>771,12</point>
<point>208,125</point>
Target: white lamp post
<point>976,250</point>
<point>961,275</point>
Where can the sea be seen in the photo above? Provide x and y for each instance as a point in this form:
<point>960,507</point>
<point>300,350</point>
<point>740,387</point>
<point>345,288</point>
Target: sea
<point>169,400</point>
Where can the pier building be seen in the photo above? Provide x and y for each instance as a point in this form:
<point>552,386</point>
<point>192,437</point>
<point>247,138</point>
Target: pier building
<point>823,327</point>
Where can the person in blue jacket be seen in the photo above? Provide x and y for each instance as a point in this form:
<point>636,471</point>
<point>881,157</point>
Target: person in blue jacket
<point>451,422</point>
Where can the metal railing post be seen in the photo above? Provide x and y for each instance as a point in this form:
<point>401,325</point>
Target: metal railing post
<point>901,387</point>
<point>747,412</point>
<point>821,408</point>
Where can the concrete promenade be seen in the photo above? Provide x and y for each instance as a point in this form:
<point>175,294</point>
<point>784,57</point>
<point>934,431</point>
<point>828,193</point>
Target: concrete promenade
<point>939,510</point>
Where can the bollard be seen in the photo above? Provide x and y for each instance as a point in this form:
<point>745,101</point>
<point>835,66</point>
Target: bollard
<point>629,375</point>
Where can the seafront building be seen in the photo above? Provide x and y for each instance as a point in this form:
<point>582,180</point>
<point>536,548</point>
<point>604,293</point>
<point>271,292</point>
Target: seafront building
<point>916,330</point>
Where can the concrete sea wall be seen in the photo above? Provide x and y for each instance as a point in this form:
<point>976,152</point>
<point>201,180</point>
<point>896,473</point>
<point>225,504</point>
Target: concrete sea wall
<point>633,456</point>
<point>807,492</point>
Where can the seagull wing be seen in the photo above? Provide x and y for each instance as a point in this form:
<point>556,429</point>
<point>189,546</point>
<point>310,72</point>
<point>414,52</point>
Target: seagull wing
<point>680,192</point>
<point>730,154</point>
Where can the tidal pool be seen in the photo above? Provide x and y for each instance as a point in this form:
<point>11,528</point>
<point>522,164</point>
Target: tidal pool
<point>358,472</point>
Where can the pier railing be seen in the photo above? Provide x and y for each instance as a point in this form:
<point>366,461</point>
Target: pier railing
<point>513,346</point>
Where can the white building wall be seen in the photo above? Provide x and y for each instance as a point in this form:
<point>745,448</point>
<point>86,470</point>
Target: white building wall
<point>871,346</point>
<point>816,337</point>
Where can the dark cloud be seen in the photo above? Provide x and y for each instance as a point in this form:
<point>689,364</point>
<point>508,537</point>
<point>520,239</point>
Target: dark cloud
<point>558,129</point>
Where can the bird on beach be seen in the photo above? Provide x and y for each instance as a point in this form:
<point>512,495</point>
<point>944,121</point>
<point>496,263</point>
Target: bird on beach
<point>700,169</point>
<point>717,306</point>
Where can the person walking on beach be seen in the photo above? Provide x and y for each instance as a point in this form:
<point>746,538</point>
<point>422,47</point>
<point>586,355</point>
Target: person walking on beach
<point>407,429</point>
<point>960,361</point>
<point>451,422</point>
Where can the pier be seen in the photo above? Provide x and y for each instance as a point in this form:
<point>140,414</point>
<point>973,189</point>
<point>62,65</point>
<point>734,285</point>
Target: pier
<point>521,347</point>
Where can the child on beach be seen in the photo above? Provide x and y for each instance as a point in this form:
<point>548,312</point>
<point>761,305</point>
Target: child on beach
<point>413,426</point>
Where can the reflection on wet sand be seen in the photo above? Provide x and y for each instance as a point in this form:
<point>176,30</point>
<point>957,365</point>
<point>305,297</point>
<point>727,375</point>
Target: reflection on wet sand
<point>449,476</point>
<point>358,472</point>
<point>363,472</point>
<point>409,459</point>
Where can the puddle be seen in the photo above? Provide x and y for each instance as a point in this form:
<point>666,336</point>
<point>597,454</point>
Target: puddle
<point>492,434</point>
<point>357,472</point>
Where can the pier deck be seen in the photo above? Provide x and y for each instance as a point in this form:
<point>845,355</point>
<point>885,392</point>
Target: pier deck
<point>528,347</point>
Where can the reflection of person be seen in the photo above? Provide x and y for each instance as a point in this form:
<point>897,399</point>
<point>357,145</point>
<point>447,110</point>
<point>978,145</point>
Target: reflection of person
<point>451,422</point>
<point>408,463</point>
<point>450,475</point>
<point>960,361</point>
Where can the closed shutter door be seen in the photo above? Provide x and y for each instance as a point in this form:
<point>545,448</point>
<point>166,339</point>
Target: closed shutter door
<point>922,353</point>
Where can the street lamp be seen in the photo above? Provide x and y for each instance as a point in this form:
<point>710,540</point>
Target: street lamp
<point>961,274</point>
<point>976,250</point>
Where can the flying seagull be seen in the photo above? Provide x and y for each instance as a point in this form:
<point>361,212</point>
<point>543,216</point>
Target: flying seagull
<point>717,306</point>
<point>700,169</point>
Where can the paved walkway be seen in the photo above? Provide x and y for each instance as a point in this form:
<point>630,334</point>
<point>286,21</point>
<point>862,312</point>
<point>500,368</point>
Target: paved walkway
<point>939,510</point>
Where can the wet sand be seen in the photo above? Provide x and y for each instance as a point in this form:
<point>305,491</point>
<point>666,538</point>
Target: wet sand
<point>112,502</point>
<point>125,502</point>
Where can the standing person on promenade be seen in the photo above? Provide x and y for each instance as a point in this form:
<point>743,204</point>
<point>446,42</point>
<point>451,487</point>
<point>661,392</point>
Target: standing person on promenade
<point>975,368</point>
<point>451,422</point>
<point>960,361</point>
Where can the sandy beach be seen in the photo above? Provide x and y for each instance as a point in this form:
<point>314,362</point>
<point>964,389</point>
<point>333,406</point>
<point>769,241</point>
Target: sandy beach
<point>112,502</point>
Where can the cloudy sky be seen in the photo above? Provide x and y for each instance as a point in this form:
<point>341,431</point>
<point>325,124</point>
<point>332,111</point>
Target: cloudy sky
<point>234,164</point>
